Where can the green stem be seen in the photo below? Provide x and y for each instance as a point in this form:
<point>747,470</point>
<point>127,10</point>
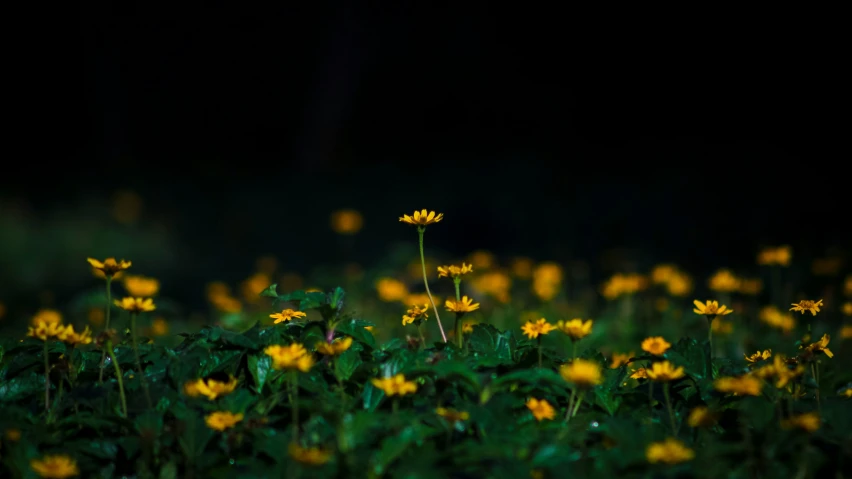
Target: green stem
<point>651,397</point>
<point>106,325</point>
<point>118,377</point>
<point>459,325</point>
<point>340,385</point>
<point>395,405</point>
<point>669,407</point>
<point>574,350</point>
<point>139,361</point>
<point>710,347</point>
<point>539,350</point>
<point>294,384</point>
<point>422,338</point>
<point>56,401</point>
<point>815,374</point>
<point>579,401</point>
<point>420,231</point>
<point>46,378</point>
<point>570,405</point>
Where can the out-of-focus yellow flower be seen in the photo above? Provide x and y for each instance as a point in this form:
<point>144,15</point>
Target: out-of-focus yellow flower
<point>576,328</point>
<point>722,327</point>
<point>758,356</point>
<point>335,348</point>
<point>55,467</point>
<point>467,327</point>
<point>140,286</point>
<point>464,305</point>
<point>419,298</point>
<point>779,371</point>
<point>780,255</point>
<point>96,316</point>
<point>751,286</point>
<point>846,331</point>
<point>415,314</point>
<point>742,385</point>
<point>136,305</point>
<point>287,315</point>
<point>494,283</point>
<point>73,338</point>
<point>227,304</point>
<point>809,422</point>
<point>775,318</point>
<point>210,388</point>
<point>640,373</point>
<point>218,288</point>
<point>724,281</point>
<point>346,222</point>
<point>623,284</point>
<point>826,266</point>
<point>292,357</point>
<point>126,206</point>
<point>620,359</point>
<point>807,305</point>
<point>12,435</point>
<point>254,285</point>
<point>663,273</point>
<point>481,259</point>
<point>522,267</point>
<point>109,267</point>
<point>309,456</point>
<point>45,331</point>
<point>541,409</point>
<point>48,316</point>
<point>821,346</point>
<point>656,345</point>
<point>159,327</point>
<point>711,309</point>
<point>671,451</point>
<point>846,392</point>
<point>221,420</point>
<point>533,330</point>
<point>582,373</point>
<point>847,308</point>
<point>547,280</point>
<point>391,290</point>
<point>453,271</point>
<point>701,416</point>
<point>680,284</point>
<point>395,386</point>
<point>664,371</point>
<point>422,218</point>
<point>451,415</point>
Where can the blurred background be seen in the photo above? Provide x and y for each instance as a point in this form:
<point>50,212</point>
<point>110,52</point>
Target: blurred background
<point>215,142</point>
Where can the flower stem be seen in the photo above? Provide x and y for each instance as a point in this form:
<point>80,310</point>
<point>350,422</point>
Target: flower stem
<point>538,339</point>
<point>106,325</point>
<point>579,401</point>
<point>422,338</point>
<point>570,405</point>
<point>46,378</point>
<point>420,231</point>
<point>395,405</point>
<point>118,377</point>
<point>669,407</point>
<point>574,350</point>
<point>139,361</point>
<point>816,380</point>
<point>294,406</point>
<point>459,325</point>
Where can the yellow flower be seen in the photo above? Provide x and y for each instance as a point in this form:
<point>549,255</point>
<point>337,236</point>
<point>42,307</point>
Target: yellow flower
<point>253,286</point>
<point>141,286</point>
<point>69,336</point>
<point>808,421</point>
<point>779,371</point>
<point>846,392</point>
<point>807,305</point>
<point>135,305</point>
<point>679,285</point>
<point>619,359</point>
<point>663,273</point>
<point>419,298</point>
<point>49,316</point>
<point>210,388</point>
<point>346,222</point>
<point>221,420</point>
<point>751,286</point>
<point>655,345</point>
<point>451,415</point>
<point>759,356</point>
<point>846,332</point>
<point>453,271</point>
<point>309,456</point>
<point>495,283</point>
<point>710,309</point>
<point>415,314</point>
<point>670,451</point>
<point>576,328</point>
<point>422,218</point>
<point>109,267</point>
<point>623,284</point>
<point>159,327</point>
<point>336,348</point>
<point>465,305</point>
<point>720,326</point>
<point>547,280</point>
<point>287,315</point>
<point>821,346</point>
<point>391,290</point>
<point>522,267</point>
<point>293,356</point>
<point>227,304</point>
<point>582,373</point>
<point>701,416</point>
<point>369,328</point>
<point>541,409</point>
<point>12,435</point>
<point>664,371</point>
<point>780,256</point>
<point>742,385</point>
<point>395,386</point>
<point>467,327</point>
<point>847,308</point>
<point>481,259</point>
<point>533,330</point>
<point>641,373</point>
<point>724,281</point>
<point>45,331</point>
<point>55,467</point>
<point>775,318</point>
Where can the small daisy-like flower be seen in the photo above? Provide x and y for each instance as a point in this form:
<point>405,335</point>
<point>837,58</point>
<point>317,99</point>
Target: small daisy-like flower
<point>575,329</point>
<point>641,373</point>
<point>759,356</point>
<point>136,305</point>
<point>210,388</point>
<point>453,271</point>
<point>807,305</point>
<point>109,267</point>
<point>620,359</point>
<point>664,371</point>
<point>464,305</point>
<point>541,409</point>
<point>821,346</point>
<point>221,420</point>
<point>711,309</point>
<point>582,373</point>
<point>335,348</point>
<point>451,415</point>
<point>287,315</point>
<point>670,451</point>
<point>415,314</point>
<point>395,385</point>
<point>533,330</point>
<point>309,456</point>
<point>422,218</point>
<point>55,467</point>
<point>293,356</point>
<point>656,345</point>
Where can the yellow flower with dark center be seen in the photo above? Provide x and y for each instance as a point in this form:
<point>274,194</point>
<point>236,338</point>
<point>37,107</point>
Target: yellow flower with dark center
<point>664,371</point>
<point>780,255</point>
<point>451,415</point>
<point>346,222</point>
<point>582,373</point>
<point>656,345</point>
<point>136,305</point>
<point>671,451</point>
<point>575,329</point>
<point>49,316</point>
<point>221,420</point>
<point>415,314</point>
<point>45,331</point>
<point>336,348</point>
<point>751,286</point>
<point>55,467</point>
<point>641,373</point>
<point>422,218</point>
<point>780,371</point>
<point>620,359</point>
<point>292,357</point>
<point>711,309</point>
<point>807,305</point>
<point>759,356</point>
<point>109,267</point>
<point>391,290</point>
<point>701,416</point>
<point>210,388</point>
<point>465,305</point>
<point>73,338</point>
<point>141,286</point>
<point>395,386</point>
<point>821,346</point>
<point>287,315</point>
<point>720,326</point>
<point>309,456</point>
<point>453,271</point>
<point>809,421</point>
<point>742,385</point>
<point>533,330</point>
<point>724,281</point>
<point>541,409</point>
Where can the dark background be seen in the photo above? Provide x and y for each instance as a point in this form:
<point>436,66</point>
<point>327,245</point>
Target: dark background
<point>539,133</point>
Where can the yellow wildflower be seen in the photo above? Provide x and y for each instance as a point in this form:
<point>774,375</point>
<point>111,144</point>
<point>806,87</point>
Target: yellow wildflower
<point>451,415</point>
<point>807,305</point>
<point>287,315</point>
<point>711,309</point>
<point>336,348</point>
<point>671,451</point>
<point>701,416</point>
<point>533,330</point>
<point>293,356</point>
<point>522,267</point>
<point>623,284</point>
<point>576,328</point>
<point>49,316</point>
<point>346,222</point>
<point>221,420</point>
<point>395,386</point>
<point>495,283</point>
<point>422,218</point>
<point>541,409</point>
<point>391,290</point>
<point>210,388</point>
<point>159,327</point>
<point>252,286</point>
<point>780,255</point>
<point>467,327</point>
<point>664,371</point>
<point>55,467</point>
<point>821,346</point>
<point>465,305</point>
<point>724,281</point>
<point>481,259</point>
<point>309,456</point>
<point>759,356</point>
<point>751,286</point>
<point>847,308</point>
<point>45,331</point>
<point>720,326</point>
<point>70,337</point>
<point>679,285</point>
<point>453,271</point>
<point>641,373</point>
<point>846,332</point>
<point>582,373</point>
<point>109,267</point>
<point>775,318</point>
<point>742,385</point>
<point>663,273</point>
<point>415,314</point>
<point>655,345</point>
<point>136,305</point>
<point>809,421</point>
<point>141,286</point>
<point>619,359</point>
<point>780,371</point>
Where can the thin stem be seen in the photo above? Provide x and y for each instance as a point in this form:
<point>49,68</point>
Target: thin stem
<point>539,350</point>
<point>570,405</point>
<point>669,407</point>
<point>294,384</point>
<point>46,378</point>
<point>459,325</point>
<point>56,401</point>
<point>106,325</point>
<point>340,385</point>
<point>651,397</point>
<point>579,401</point>
<point>118,377</point>
<point>422,338</point>
<point>395,405</point>
<point>574,350</point>
<point>139,361</point>
<point>816,379</point>
<point>420,231</point>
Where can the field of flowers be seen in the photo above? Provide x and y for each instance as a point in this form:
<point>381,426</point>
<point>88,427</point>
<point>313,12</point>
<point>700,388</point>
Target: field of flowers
<point>420,368</point>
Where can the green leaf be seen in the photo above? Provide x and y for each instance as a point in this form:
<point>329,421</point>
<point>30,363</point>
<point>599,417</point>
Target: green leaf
<point>394,446</point>
<point>346,364</point>
<point>259,366</point>
<point>690,354</point>
<point>538,377</point>
<point>371,397</point>
<point>606,394</point>
<point>238,401</point>
<point>355,328</point>
<point>312,334</point>
<point>195,434</point>
<point>271,291</point>
<point>313,301</point>
<point>169,470</point>
<point>335,298</point>
<point>21,387</point>
<point>451,370</point>
<point>224,337</point>
<point>149,424</point>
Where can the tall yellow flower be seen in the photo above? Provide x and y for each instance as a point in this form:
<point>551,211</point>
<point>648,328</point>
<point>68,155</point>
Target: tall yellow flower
<point>309,456</point>
<point>759,356</point>
<point>576,328</point>
<point>73,338</point>
<point>346,222</point>
<point>416,314</point>
<point>210,388</point>
<point>465,305</point>
<point>711,309</point>
<point>541,409</point>
<point>45,331</point>
<point>287,315</point>
<point>336,347</point>
<point>141,286</point>
<point>453,271</point>
<point>422,218</point>
<point>664,371</point>
<point>821,346</point>
<point>742,385</point>
<point>135,305</point>
<point>221,420</point>
<point>533,330</point>
<point>780,255</point>
<point>395,385</point>
<point>724,281</point>
<point>391,290</point>
<point>807,305</point>
<point>55,466</point>
<point>109,267</point>
<point>656,345</point>
<point>292,357</point>
<point>582,373</point>
<point>671,451</point>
